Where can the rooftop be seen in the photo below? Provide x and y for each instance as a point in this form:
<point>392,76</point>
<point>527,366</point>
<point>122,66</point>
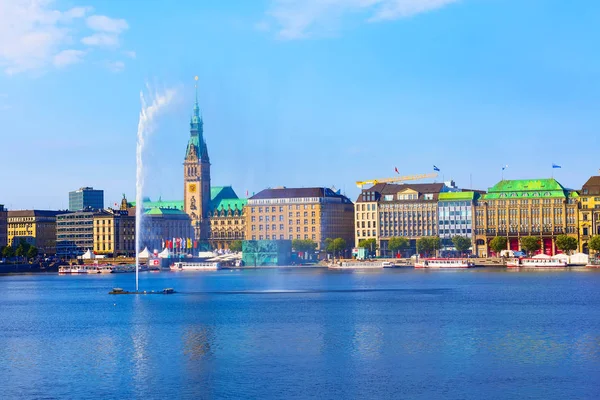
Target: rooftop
<point>592,186</point>
<point>530,188</point>
<point>294,193</point>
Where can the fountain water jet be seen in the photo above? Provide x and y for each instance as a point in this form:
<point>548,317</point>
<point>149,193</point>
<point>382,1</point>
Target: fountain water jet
<point>158,101</point>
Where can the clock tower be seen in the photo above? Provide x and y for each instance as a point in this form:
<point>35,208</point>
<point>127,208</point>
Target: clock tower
<point>196,176</point>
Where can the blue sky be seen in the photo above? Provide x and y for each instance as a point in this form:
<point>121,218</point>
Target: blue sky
<point>296,93</point>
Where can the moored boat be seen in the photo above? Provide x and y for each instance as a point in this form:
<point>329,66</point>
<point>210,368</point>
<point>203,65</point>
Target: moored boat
<point>357,265</point>
<point>195,266</point>
<point>444,263</point>
<point>536,263</point>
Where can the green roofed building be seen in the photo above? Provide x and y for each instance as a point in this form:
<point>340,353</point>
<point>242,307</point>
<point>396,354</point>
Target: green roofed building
<point>526,207</point>
<point>455,216</point>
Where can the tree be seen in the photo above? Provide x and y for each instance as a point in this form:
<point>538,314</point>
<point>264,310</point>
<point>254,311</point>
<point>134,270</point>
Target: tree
<point>32,252</point>
<point>566,243</point>
<point>8,252</point>
<point>498,244</point>
<point>22,248</point>
<point>530,244</point>
<point>594,243</point>
<point>235,245</point>
<point>304,245</point>
<point>369,244</point>
<point>335,245</point>
<point>398,243</point>
<point>461,243</point>
<point>428,244</point>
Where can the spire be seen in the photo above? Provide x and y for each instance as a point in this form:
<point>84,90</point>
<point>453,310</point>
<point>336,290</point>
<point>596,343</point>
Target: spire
<point>196,145</point>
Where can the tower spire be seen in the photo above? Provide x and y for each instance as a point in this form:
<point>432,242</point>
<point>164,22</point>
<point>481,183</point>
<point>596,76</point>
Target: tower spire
<point>196,88</point>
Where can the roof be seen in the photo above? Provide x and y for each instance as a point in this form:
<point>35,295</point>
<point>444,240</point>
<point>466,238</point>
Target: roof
<point>34,213</point>
<point>293,193</point>
<point>164,211</point>
<point>226,204</point>
<point>458,196</point>
<point>529,188</point>
<point>220,196</point>
<point>592,186</point>
<point>389,188</point>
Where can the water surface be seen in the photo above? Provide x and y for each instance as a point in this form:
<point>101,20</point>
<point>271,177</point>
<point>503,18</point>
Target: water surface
<point>303,333</point>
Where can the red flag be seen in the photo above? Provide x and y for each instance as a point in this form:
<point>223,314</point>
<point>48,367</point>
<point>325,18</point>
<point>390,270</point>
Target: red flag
<point>195,244</point>
<point>396,169</point>
<point>246,193</point>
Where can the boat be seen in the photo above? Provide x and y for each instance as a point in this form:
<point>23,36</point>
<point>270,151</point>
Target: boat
<point>536,263</point>
<point>195,266</point>
<point>443,263</point>
<point>78,269</point>
<point>121,269</point>
<point>356,265</point>
<point>64,269</point>
<point>105,269</point>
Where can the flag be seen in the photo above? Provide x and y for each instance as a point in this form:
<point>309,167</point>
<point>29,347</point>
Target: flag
<point>246,193</point>
<point>189,243</point>
<point>195,244</point>
<point>396,169</point>
<point>504,167</point>
<point>556,166</point>
<point>162,243</point>
<point>436,168</point>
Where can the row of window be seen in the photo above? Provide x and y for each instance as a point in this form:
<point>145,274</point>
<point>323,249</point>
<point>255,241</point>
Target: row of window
<point>282,237</point>
<point>281,208</point>
<point>281,227</point>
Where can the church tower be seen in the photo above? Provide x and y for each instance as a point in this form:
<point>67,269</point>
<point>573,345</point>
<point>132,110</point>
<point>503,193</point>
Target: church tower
<point>196,173</point>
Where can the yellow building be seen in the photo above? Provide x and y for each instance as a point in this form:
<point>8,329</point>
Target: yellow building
<point>300,213</point>
<point>516,208</point>
<point>589,214</point>
<point>114,233</point>
<point>36,227</point>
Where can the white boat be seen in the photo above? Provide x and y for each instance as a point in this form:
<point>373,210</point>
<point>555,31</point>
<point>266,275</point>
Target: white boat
<point>64,269</point>
<point>443,263</point>
<point>195,266</point>
<point>78,269</point>
<point>535,263</point>
<point>105,269</point>
<point>357,265</point>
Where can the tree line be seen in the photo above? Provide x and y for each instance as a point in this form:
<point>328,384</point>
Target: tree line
<point>531,244</point>
<point>23,250</point>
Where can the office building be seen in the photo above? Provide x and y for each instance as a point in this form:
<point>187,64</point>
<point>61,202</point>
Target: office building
<point>36,227</point>
<point>86,198</point>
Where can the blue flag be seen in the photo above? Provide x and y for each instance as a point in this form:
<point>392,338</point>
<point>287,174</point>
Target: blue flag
<point>436,168</point>
<point>556,166</point>
<point>503,168</point>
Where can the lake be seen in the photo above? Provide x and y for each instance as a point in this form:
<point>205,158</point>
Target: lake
<point>303,333</point>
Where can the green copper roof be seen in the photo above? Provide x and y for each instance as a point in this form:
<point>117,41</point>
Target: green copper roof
<point>457,196</point>
<point>526,188</point>
<point>222,197</point>
<point>164,211</point>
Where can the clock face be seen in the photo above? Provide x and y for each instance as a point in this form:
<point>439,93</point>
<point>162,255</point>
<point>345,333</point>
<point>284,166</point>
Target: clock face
<point>193,188</point>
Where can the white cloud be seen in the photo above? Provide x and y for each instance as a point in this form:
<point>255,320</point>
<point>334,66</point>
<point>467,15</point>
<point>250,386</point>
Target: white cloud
<point>34,34</point>
<point>297,19</point>
<point>68,57</point>
<point>101,40</point>
<point>105,24</point>
<point>116,66</point>
<point>130,54</point>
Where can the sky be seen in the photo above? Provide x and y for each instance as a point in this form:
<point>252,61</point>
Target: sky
<point>296,93</point>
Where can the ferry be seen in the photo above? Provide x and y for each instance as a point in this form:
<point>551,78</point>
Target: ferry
<point>357,265</point>
<point>195,266</point>
<point>64,269</point>
<point>443,263</point>
<point>535,263</point>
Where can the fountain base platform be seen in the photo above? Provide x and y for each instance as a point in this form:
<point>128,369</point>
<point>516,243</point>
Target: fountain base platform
<point>122,291</point>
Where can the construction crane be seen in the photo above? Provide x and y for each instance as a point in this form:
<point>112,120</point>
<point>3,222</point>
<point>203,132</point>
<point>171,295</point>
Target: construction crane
<point>360,184</point>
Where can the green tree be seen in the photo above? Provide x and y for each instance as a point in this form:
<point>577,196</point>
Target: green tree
<point>8,252</point>
<point>461,243</point>
<point>397,244</point>
<point>594,243</point>
<point>335,246</point>
<point>530,244</point>
<point>566,243</point>
<point>369,244</point>
<point>235,245</point>
<point>428,244</point>
<point>304,245</point>
<point>32,252</point>
<point>498,244</point>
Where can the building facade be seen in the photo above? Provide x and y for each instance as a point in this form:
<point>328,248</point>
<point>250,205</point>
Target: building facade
<point>86,198</point>
<point>227,219</point>
<point>74,233</point>
<point>456,212</point>
<point>3,226</point>
<point>589,213</point>
<point>518,208</point>
<point>114,233</point>
<point>162,224</point>
<point>299,213</point>
<point>196,177</point>
<point>386,210</point>
<point>36,227</point>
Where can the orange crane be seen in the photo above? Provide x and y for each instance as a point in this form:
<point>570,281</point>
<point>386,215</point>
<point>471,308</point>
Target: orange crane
<point>396,179</point>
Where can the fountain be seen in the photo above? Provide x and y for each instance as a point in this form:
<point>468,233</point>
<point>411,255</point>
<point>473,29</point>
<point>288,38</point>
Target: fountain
<point>158,101</point>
